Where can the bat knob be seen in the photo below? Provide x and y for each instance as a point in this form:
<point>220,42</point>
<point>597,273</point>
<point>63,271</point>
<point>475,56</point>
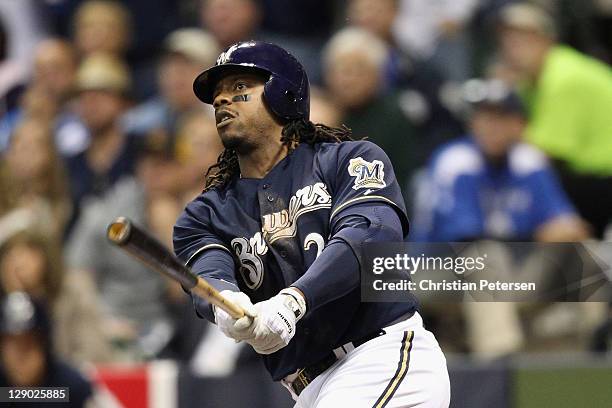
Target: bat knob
<point>118,231</point>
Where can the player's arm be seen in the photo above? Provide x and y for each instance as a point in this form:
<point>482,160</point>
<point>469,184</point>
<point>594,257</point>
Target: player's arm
<point>367,207</point>
<point>196,243</point>
<point>336,271</point>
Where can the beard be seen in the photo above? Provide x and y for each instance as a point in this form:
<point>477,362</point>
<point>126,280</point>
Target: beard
<point>238,141</point>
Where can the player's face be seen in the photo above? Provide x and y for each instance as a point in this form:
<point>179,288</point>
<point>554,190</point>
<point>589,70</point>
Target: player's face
<point>243,121</point>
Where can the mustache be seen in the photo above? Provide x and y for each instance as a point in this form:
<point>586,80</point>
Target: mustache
<point>223,113</point>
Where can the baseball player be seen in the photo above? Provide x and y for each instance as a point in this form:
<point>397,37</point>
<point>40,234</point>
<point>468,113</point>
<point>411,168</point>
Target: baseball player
<point>277,228</point>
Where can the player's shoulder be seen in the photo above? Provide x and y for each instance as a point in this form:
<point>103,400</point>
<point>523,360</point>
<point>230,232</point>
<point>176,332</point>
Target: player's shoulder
<point>454,159</point>
<point>330,157</point>
<point>348,148</point>
<point>200,207</point>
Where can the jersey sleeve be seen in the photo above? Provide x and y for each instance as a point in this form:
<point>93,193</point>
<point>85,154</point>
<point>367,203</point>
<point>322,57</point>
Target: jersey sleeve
<point>200,248</point>
<point>194,232</point>
<point>361,173</point>
<point>365,224</point>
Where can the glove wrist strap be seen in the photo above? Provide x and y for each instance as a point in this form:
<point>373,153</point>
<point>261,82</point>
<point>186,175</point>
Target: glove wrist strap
<point>294,302</point>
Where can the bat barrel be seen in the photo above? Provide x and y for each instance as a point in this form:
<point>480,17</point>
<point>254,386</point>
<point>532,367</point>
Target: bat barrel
<point>128,236</point>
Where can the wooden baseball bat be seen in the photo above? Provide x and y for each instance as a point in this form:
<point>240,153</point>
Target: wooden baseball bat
<point>140,244</point>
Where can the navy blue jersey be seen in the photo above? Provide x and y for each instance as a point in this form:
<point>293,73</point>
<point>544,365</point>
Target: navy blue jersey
<point>276,227</point>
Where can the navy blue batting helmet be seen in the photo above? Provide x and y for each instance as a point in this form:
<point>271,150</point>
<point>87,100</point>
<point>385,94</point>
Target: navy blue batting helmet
<point>286,92</point>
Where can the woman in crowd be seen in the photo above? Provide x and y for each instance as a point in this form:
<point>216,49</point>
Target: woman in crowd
<point>33,181</point>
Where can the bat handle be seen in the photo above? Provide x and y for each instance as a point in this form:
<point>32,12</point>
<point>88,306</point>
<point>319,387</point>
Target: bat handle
<point>206,291</point>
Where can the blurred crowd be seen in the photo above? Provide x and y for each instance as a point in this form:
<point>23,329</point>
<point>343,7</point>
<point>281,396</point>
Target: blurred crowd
<point>496,114</point>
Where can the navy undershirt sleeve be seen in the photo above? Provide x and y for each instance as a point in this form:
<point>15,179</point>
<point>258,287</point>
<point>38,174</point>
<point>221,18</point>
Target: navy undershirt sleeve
<point>217,267</point>
<point>336,271</point>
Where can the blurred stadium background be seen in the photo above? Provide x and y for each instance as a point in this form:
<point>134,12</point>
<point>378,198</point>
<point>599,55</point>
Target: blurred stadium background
<point>496,114</point>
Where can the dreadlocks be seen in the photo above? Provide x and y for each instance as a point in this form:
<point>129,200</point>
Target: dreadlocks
<point>294,133</point>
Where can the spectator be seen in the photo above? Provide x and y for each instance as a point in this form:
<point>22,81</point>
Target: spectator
<point>353,62</point>
<point>197,148</point>
<point>130,29</point>
<point>135,301</point>
<point>103,84</point>
<point>420,83</point>
<point>375,16</point>
<point>230,21</point>
<point>435,31</point>
<point>32,263</point>
<point>186,53</point>
<point>49,95</point>
<point>102,26</point>
<point>33,182</point>
<point>492,185</point>
<point>575,21</point>
<point>378,17</point>
<point>27,359</point>
<point>568,96</point>
<point>322,108</point>
<point>55,68</point>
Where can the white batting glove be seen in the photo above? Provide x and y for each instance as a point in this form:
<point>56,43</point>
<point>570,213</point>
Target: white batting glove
<point>276,320</point>
<point>237,329</point>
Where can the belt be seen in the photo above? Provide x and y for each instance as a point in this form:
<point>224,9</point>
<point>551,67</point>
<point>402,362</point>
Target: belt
<point>307,374</point>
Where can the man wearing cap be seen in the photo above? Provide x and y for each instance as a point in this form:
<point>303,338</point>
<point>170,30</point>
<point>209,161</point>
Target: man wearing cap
<point>490,184</point>
<point>103,85</point>
<point>185,53</point>
<point>568,97</point>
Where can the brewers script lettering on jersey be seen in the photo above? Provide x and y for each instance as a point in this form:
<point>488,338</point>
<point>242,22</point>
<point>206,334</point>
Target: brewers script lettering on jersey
<point>278,230</point>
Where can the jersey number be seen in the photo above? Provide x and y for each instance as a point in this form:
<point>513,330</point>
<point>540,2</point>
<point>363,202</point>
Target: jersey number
<point>314,238</point>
